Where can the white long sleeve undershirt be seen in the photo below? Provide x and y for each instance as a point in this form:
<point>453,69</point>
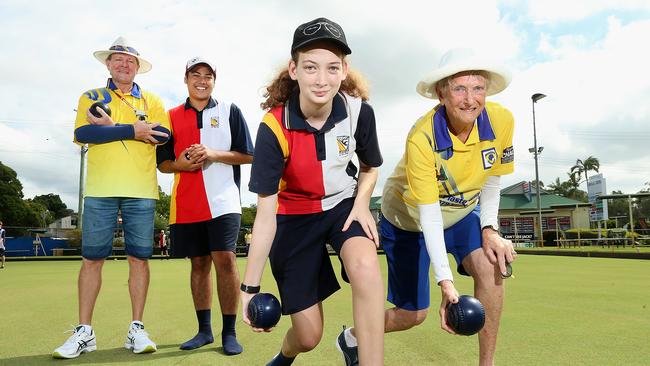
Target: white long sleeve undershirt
<point>489,200</point>
<point>434,238</point>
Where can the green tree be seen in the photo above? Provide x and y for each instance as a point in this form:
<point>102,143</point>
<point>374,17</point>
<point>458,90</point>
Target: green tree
<point>161,218</point>
<point>560,188</point>
<point>14,211</point>
<point>618,211</point>
<point>37,215</point>
<point>248,215</point>
<point>569,188</point>
<point>642,205</point>
<point>53,203</point>
<point>584,166</point>
<point>12,207</point>
<point>575,192</point>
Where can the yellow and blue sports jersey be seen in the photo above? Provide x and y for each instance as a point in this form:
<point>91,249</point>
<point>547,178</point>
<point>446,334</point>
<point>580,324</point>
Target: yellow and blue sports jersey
<point>124,168</point>
<point>438,167</point>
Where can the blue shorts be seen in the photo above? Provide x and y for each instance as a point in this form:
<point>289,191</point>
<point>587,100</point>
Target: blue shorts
<point>408,260</point>
<point>100,222</point>
<point>299,258</point>
<point>198,239</point>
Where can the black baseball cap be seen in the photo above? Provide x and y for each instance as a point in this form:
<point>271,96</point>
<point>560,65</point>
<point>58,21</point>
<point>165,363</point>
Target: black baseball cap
<point>320,29</point>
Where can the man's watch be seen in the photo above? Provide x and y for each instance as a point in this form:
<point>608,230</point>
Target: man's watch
<point>489,227</point>
<point>249,289</point>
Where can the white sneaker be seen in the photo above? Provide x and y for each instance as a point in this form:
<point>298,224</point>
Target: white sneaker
<point>79,342</point>
<point>138,340</point>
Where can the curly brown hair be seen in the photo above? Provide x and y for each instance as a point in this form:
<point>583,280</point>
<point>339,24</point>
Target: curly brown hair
<point>278,92</point>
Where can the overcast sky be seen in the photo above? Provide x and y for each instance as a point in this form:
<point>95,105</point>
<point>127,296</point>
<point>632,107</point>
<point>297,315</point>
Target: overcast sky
<point>589,56</point>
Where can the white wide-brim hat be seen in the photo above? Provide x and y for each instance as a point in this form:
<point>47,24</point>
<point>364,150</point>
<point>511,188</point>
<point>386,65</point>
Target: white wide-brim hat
<point>464,59</point>
<point>121,45</point>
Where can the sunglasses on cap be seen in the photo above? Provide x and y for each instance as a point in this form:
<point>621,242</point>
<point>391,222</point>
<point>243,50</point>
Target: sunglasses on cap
<point>332,29</point>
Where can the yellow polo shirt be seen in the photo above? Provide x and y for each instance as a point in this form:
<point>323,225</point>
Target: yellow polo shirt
<point>125,168</point>
<point>438,167</point>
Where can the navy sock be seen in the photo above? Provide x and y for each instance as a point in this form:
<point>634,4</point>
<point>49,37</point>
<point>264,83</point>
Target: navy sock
<point>204,317</point>
<point>204,336</point>
<point>229,336</point>
<point>281,360</point>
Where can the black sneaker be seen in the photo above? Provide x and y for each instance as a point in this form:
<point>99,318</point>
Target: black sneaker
<point>350,354</point>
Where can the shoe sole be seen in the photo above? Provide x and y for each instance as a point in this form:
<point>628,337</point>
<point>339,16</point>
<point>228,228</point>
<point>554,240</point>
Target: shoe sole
<point>74,355</point>
<point>147,349</point>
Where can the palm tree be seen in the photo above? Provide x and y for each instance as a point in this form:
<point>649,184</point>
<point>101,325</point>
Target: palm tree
<point>573,185</point>
<point>559,188</point>
<point>569,188</point>
<point>585,166</point>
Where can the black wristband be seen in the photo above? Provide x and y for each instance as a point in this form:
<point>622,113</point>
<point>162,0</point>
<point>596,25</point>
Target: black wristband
<point>489,227</point>
<point>249,289</point>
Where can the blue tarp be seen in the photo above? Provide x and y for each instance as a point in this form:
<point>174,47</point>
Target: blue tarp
<point>24,246</point>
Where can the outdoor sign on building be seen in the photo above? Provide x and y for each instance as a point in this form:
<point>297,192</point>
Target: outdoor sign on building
<point>595,187</point>
<point>517,228</point>
<point>525,186</point>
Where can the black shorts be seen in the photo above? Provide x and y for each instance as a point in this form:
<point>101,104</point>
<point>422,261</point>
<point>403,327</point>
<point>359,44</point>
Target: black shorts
<point>200,238</point>
<point>299,259</point>
<point>2,252</point>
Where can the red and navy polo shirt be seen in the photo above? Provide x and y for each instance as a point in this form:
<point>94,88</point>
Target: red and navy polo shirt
<point>213,190</point>
<point>312,170</point>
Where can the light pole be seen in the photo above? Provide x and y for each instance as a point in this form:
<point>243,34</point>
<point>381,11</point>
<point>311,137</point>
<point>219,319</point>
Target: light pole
<point>536,151</point>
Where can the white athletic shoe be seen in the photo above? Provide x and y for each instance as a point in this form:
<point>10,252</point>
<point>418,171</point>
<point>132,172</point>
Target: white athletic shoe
<point>79,342</point>
<point>138,340</point>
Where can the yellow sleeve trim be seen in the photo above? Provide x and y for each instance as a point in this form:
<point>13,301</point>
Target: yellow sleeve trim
<point>274,125</point>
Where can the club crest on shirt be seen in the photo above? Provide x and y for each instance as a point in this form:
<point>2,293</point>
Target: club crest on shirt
<point>489,157</point>
<point>343,143</point>
<point>214,122</point>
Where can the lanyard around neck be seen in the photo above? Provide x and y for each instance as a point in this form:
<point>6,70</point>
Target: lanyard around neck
<point>142,115</point>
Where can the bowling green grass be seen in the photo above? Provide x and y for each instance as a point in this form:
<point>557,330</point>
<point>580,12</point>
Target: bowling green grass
<point>558,311</point>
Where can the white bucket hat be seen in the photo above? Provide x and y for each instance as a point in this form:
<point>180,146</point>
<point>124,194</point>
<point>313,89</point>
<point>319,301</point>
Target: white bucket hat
<point>121,45</point>
<point>459,60</point>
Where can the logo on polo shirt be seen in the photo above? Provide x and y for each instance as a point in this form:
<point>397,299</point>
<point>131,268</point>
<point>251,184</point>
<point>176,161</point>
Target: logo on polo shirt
<point>343,142</point>
<point>508,155</point>
<point>214,122</point>
<point>489,157</point>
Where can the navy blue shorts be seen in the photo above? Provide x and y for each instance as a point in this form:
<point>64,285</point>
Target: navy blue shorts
<point>198,239</point>
<point>408,260</point>
<point>299,258</point>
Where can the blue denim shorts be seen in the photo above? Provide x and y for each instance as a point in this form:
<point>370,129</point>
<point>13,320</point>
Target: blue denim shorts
<point>100,222</point>
<point>409,263</point>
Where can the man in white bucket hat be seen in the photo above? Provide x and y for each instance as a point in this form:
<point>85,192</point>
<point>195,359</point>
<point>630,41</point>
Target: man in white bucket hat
<point>454,157</point>
<point>121,176</point>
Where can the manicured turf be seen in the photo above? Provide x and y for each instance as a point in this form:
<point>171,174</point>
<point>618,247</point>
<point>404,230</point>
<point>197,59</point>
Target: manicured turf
<point>559,311</point>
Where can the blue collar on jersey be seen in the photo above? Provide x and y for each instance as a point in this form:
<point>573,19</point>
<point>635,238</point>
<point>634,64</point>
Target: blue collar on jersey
<point>135,91</point>
<point>441,130</point>
<point>296,121</point>
<point>211,104</point>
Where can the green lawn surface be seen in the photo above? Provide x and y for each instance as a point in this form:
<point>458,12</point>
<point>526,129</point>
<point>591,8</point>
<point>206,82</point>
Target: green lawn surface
<point>594,248</point>
<point>558,311</point>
